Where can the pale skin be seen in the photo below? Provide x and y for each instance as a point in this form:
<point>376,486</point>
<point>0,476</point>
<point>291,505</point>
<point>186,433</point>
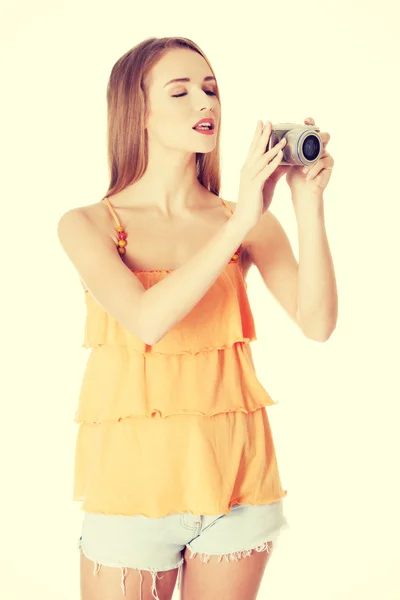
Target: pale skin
<point>168,216</point>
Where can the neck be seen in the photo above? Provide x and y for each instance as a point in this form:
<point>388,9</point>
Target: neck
<point>169,185</point>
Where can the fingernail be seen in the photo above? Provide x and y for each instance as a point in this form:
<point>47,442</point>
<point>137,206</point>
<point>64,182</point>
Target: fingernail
<point>306,169</point>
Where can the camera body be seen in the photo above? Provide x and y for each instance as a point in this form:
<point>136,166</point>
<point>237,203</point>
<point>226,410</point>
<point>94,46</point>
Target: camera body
<point>303,144</point>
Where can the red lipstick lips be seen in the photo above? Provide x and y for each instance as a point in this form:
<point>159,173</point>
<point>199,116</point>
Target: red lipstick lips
<point>209,120</point>
<point>206,130</point>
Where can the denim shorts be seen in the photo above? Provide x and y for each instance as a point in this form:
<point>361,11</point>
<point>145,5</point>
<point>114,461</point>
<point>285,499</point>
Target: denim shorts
<point>157,544</point>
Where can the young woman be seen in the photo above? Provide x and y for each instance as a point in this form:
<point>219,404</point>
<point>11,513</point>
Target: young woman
<point>175,461</point>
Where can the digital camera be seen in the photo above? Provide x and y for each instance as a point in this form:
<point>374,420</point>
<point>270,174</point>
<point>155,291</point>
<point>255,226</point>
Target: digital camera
<point>303,144</point>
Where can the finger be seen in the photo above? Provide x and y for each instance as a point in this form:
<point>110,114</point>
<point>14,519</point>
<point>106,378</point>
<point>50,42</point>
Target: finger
<point>319,165</point>
<point>324,153</point>
<point>325,137</point>
<point>267,157</point>
<point>255,137</point>
<point>260,138</point>
<point>263,140</point>
<point>260,142</point>
<point>325,163</point>
<point>270,168</point>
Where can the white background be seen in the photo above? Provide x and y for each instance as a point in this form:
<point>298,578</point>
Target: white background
<point>336,425</point>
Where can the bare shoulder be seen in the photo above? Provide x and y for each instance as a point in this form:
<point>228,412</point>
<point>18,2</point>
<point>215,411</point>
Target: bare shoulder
<point>92,211</point>
<point>81,223</point>
<point>83,217</point>
<point>92,214</point>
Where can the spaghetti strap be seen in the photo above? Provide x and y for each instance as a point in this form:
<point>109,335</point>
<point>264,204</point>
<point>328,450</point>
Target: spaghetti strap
<point>112,211</point>
<point>226,206</point>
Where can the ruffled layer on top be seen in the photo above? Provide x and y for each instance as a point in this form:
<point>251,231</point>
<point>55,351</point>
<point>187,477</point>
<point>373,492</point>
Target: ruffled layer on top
<point>184,464</point>
<point>220,319</point>
<point>118,384</point>
<point>202,366</point>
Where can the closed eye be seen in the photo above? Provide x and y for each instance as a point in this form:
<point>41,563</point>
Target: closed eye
<point>185,94</point>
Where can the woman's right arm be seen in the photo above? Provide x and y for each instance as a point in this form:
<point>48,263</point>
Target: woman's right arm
<point>147,314</point>
<point>150,314</point>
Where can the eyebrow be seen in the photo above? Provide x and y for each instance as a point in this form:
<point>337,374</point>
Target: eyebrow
<point>209,78</point>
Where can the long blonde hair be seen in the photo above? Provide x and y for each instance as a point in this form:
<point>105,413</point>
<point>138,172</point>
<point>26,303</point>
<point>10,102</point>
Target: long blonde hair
<point>127,96</point>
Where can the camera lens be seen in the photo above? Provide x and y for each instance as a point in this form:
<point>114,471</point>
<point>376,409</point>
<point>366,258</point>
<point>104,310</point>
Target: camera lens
<point>311,147</point>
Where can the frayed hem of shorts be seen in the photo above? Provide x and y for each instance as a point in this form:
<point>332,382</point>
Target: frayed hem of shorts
<point>154,572</point>
<point>234,556</point>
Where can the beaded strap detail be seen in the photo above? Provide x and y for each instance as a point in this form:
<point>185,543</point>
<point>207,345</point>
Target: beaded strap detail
<point>121,234</point>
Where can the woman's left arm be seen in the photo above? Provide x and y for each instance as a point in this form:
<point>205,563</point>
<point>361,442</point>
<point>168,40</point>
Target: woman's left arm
<point>306,290</point>
<point>317,297</point>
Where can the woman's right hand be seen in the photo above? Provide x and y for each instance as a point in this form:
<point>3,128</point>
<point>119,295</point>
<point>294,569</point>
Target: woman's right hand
<point>258,167</point>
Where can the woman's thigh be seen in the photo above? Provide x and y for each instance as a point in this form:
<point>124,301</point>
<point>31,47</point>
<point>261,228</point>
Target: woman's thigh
<point>232,580</point>
<point>110,583</point>
<point>228,557</point>
<point>130,557</point>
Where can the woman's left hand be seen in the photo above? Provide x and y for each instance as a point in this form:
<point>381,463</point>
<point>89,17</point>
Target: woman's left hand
<point>318,176</point>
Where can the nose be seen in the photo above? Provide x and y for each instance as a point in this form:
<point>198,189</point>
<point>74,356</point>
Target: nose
<point>207,111</point>
<point>206,101</point>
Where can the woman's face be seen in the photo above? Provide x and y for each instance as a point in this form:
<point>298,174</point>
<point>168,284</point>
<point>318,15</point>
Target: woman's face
<point>174,108</point>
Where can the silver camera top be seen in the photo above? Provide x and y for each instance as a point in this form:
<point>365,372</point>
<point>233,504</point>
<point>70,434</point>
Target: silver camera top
<point>288,126</point>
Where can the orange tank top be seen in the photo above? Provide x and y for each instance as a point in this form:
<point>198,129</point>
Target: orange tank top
<point>179,425</point>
